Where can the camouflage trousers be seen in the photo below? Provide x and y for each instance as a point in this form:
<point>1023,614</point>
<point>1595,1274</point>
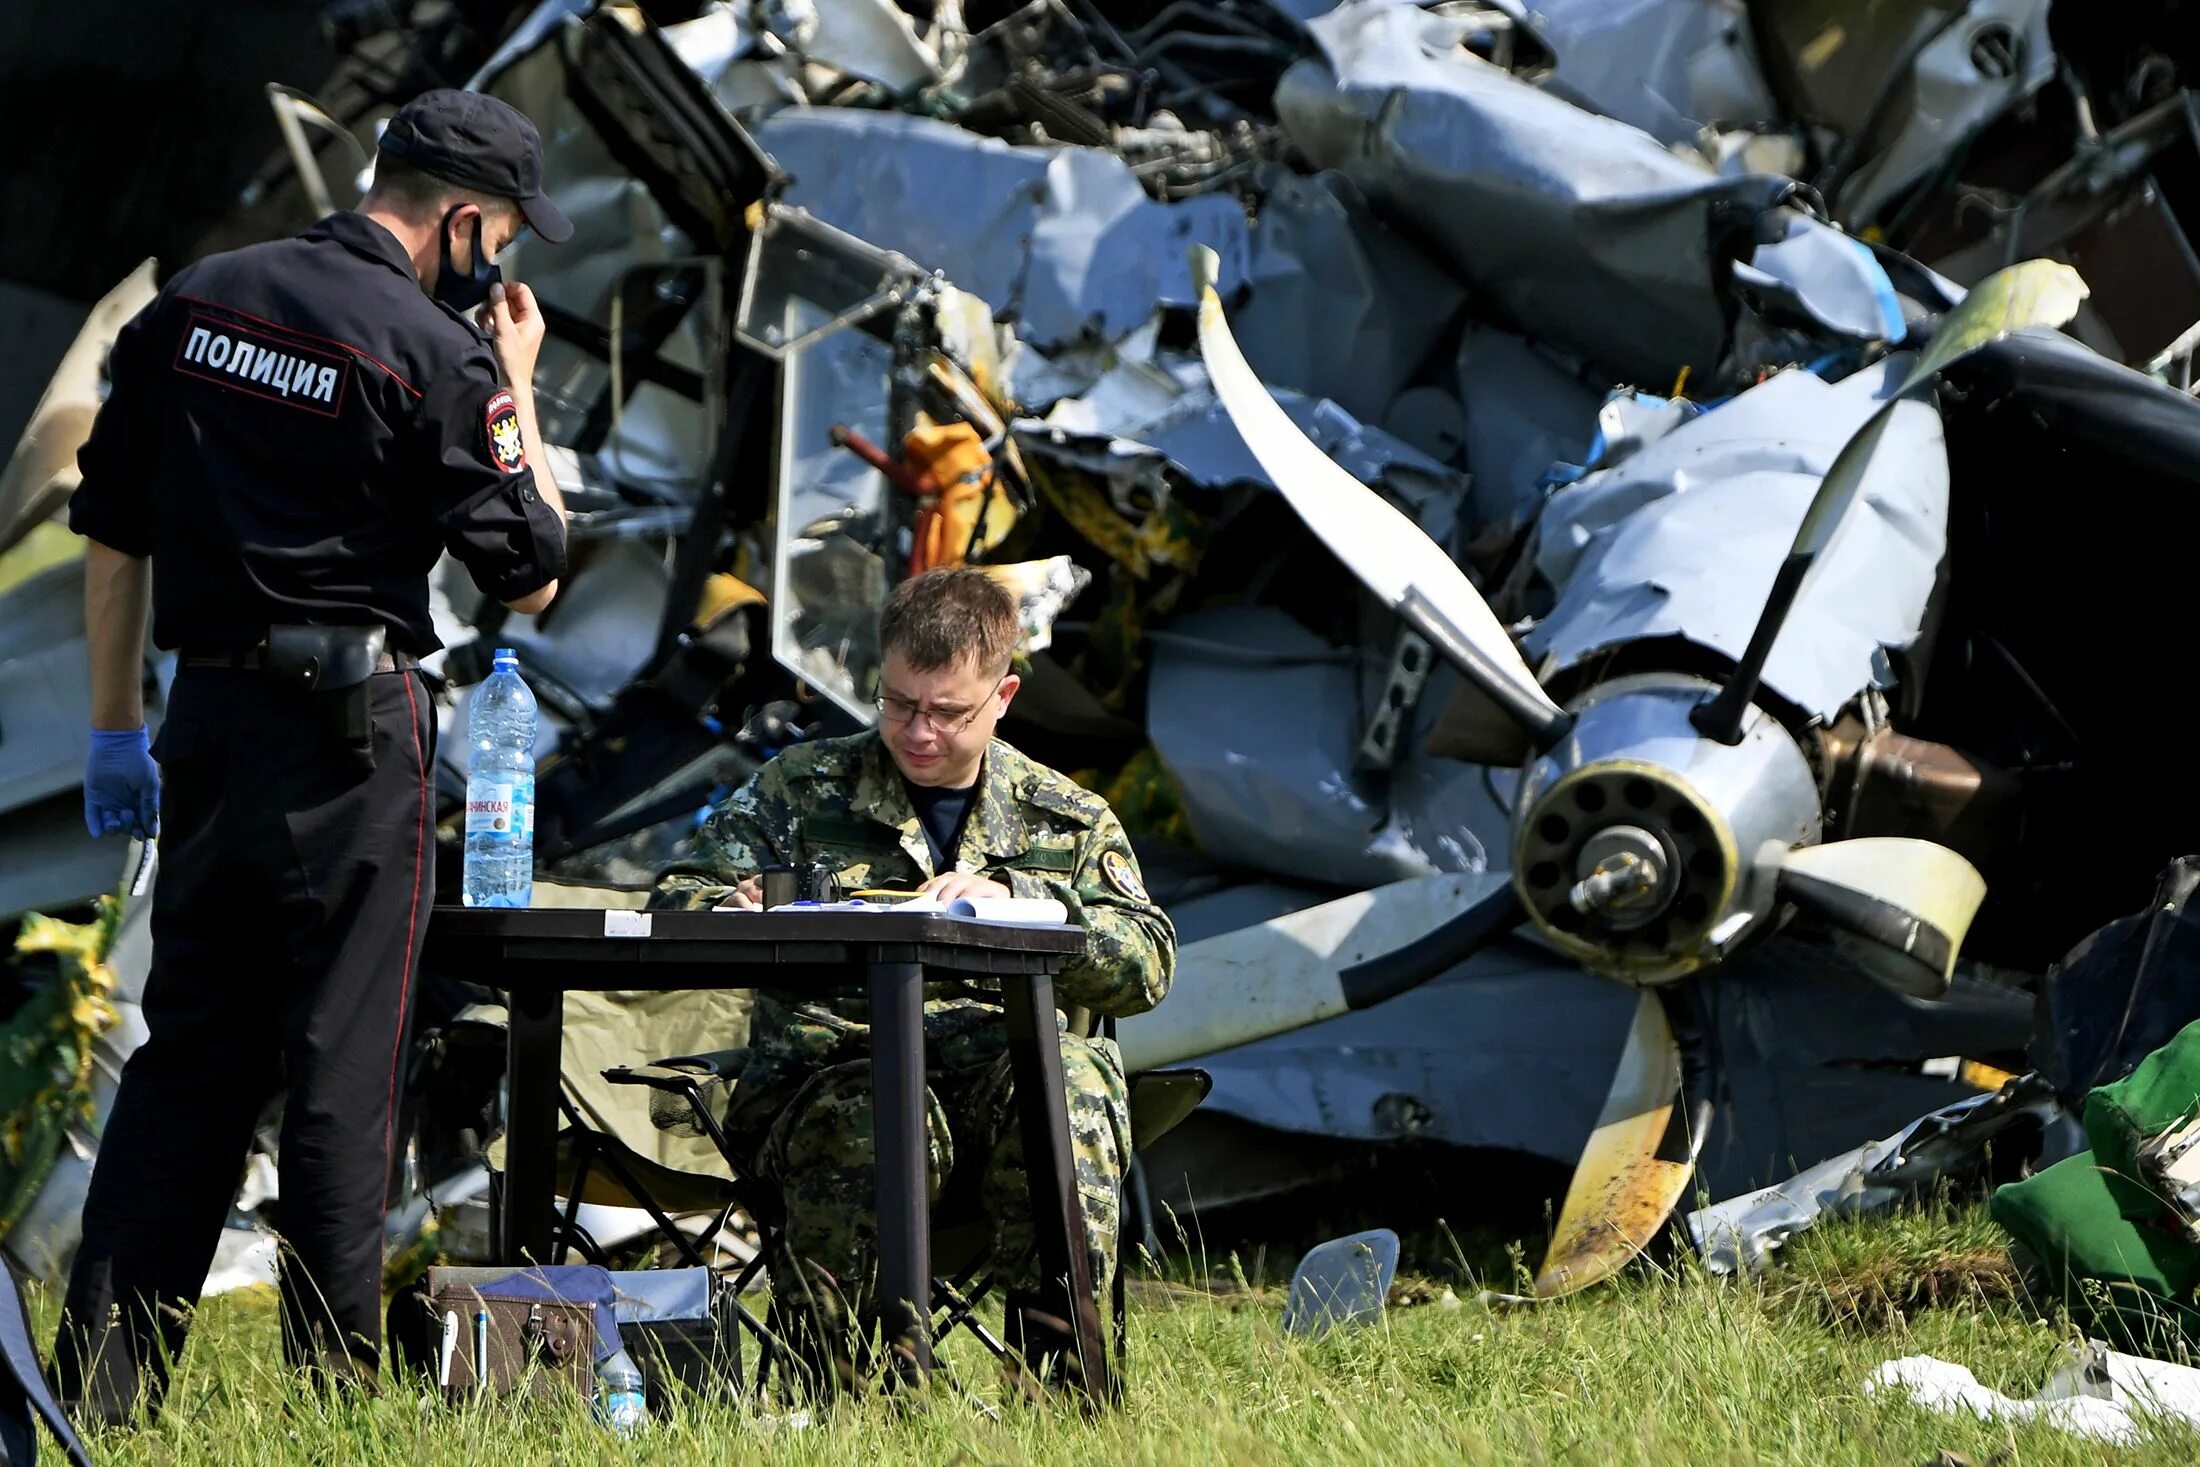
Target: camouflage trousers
<point>816,1150</point>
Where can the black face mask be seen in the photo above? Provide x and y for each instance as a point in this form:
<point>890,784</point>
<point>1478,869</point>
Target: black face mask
<point>465,293</point>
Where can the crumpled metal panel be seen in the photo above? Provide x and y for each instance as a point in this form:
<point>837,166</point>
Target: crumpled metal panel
<point>1064,239</point>
<point>870,39</point>
<point>1825,275</point>
<point>1666,66</point>
<point>1142,416</point>
<point>1524,414</point>
<point>1581,227</point>
<point>721,47</point>
<point>1258,721</point>
<point>1682,538</point>
<point>1340,307</point>
<point>1741,1233</point>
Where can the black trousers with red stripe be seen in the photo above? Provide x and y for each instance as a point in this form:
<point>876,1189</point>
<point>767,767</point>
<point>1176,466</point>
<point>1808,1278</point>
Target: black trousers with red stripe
<point>294,889</point>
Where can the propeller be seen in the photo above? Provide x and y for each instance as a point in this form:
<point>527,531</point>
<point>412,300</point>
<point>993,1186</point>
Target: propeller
<point>1371,536</point>
<point>2034,293</point>
<point>1623,813</point>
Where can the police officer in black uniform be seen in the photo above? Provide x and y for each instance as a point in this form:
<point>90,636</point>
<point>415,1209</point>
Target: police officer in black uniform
<point>296,432</point>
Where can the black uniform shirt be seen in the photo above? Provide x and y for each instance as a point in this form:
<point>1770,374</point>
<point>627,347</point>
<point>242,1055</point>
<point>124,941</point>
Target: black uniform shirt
<point>941,813</point>
<point>295,432</point>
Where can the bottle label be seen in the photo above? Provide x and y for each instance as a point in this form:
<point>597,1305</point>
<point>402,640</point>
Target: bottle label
<point>489,810</point>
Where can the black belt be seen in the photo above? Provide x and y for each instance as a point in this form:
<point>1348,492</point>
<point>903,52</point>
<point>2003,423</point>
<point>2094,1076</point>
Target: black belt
<point>248,659</point>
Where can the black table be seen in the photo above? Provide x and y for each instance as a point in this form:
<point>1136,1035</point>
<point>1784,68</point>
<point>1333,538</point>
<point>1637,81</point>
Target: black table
<point>538,954</point>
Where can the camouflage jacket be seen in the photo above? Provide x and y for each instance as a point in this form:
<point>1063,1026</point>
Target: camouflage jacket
<point>842,801</point>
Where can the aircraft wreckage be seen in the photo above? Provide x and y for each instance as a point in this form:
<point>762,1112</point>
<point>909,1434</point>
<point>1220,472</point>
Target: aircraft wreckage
<point>1604,656</point>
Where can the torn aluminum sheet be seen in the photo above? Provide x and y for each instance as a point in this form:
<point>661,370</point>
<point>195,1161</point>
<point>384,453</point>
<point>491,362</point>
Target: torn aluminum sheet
<point>1258,721</point>
<point>722,45</point>
<point>1579,226</point>
<point>541,23</point>
<point>1666,66</point>
<point>871,40</point>
<point>1513,1051</point>
<point>748,76</point>
<point>1741,1234</point>
<point>1143,417</point>
<point>2096,1393</point>
<point>1824,276</point>
<point>1063,239</point>
<point>1340,307</point>
<point>1523,413</point>
<point>1682,538</point>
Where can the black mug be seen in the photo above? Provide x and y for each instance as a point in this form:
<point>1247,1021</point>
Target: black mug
<point>819,881</point>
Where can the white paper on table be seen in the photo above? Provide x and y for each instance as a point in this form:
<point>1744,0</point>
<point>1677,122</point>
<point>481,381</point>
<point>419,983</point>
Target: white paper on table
<point>1022,911</point>
<point>1029,911</point>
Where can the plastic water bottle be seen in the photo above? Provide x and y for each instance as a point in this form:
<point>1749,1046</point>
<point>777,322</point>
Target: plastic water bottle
<point>500,789</point>
<point>619,1400</point>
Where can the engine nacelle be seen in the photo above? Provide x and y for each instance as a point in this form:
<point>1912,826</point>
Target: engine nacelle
<point>1640,847</point>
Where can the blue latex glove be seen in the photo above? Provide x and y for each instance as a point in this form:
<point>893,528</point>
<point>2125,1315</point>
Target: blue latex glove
<point>122,784</point>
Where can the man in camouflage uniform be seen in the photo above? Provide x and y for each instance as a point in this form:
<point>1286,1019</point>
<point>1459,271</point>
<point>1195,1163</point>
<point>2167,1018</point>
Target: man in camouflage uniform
<point>929,801</point>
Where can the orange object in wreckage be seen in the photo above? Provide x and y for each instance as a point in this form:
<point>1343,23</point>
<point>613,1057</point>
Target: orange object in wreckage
<point>954,458</point>
<point>948,468</point>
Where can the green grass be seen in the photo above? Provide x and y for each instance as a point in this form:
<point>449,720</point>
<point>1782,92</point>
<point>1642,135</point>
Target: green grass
<point>1665,1366</point>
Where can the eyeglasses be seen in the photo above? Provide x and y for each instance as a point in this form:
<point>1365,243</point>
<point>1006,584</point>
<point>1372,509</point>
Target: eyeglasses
<point>898,711</point>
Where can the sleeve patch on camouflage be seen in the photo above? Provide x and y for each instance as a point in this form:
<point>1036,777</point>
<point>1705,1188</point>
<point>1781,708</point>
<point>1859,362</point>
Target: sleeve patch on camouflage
<point>1116,869</point>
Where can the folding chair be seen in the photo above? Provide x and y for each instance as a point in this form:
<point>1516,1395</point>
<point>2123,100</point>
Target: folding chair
<point>690,1094</point>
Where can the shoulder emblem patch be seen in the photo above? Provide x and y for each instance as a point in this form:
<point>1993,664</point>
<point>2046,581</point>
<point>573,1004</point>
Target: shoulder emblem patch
<point>507,450</point>
<point>1116,869</point>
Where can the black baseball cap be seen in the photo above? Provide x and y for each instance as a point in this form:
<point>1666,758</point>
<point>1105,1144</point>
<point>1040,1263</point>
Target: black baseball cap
<point>473,140</point>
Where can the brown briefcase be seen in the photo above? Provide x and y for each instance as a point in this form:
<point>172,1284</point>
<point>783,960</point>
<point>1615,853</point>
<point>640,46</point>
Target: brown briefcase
<point>497,1331</point>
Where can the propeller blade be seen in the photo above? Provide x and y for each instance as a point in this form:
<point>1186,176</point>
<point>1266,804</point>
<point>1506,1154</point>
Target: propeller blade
<point>2034,293</point>
<point>2030,293</point>
<point>1377,543</point>
<point>1636,1167</point>
<point>1307,966</point>
<point>1369,983</point>
<point>1910,901</point>
<point>44,460</point>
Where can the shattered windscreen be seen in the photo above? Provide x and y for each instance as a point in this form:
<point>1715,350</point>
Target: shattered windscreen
<point>832,517</point>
